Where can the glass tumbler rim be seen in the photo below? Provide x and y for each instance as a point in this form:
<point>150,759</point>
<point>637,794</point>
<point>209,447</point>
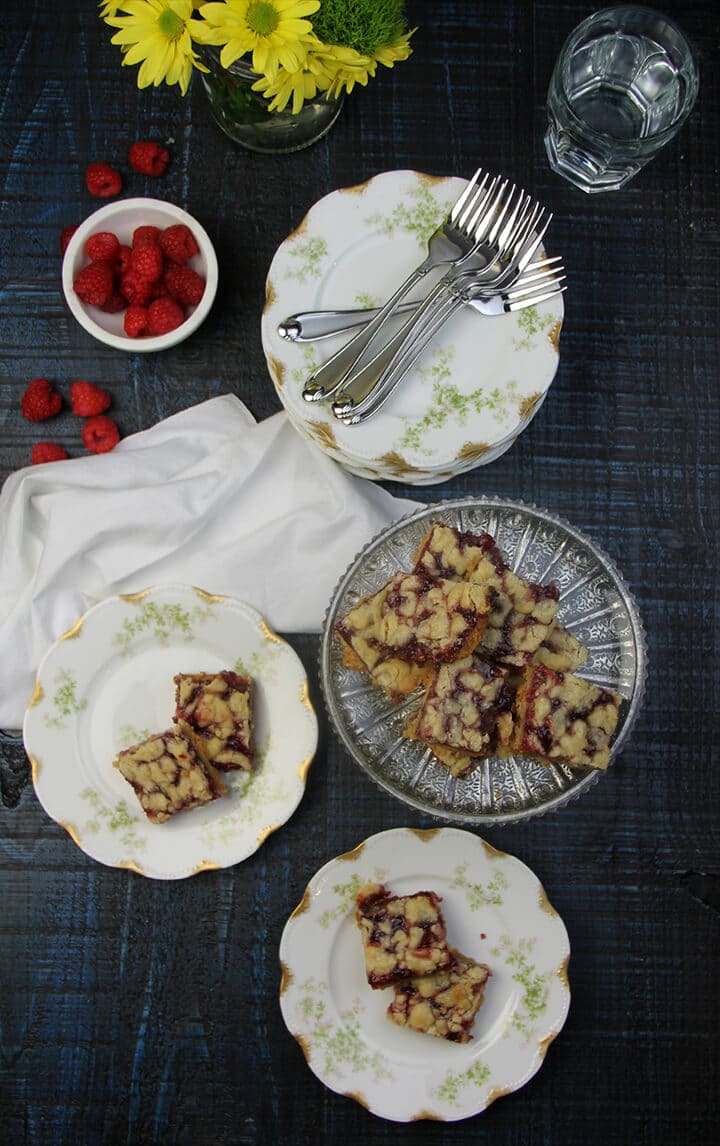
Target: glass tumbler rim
<point>690,69</point>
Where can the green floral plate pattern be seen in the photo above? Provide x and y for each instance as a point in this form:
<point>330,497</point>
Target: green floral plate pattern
<point>476,387</point>
<point>496,911</point>
<point>108,683</point>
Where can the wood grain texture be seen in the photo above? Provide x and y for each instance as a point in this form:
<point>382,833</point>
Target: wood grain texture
<point>135,1012</point>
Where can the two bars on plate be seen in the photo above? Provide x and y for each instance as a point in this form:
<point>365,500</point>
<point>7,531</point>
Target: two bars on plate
<point>437,990</point>
<point>495,665</point>
<point>179,769</point>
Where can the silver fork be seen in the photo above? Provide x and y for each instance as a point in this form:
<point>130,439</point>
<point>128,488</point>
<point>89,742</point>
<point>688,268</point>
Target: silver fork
<point>537,288</point>
<point>516,247</point>
<point>458,237</point>
<point>314,325</point>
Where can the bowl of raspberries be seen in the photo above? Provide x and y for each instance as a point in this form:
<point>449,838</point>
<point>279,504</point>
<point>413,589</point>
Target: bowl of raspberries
<point>140,274</point>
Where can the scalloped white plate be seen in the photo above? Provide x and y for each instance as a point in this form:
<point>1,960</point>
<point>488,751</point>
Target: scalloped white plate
<point>496,911</point>
<point>108,682</point>
<point>476,387</point>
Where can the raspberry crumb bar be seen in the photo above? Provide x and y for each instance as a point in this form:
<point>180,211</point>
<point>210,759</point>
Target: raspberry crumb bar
<point>523,611</point>
<point>467,706</point>
<point>403,935</point>
<point>561,650</point>
<point>215,711</point>
<point>362,651</point>
<point>424,620</point>
<point>168,775</point>
<point>560,717</point>
<point>445,1003</point>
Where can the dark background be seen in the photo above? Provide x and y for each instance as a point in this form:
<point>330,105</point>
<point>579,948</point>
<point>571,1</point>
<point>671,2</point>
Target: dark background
<point>136,1012</point>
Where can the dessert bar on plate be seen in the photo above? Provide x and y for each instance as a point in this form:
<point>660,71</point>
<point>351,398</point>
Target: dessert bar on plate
<point>214,710</point>
<point>467,709</point>
<point>168,775</point>
<point>523,611</point>
<point>403,935</point>
<point>443,1004</point>
<point>560,717</point>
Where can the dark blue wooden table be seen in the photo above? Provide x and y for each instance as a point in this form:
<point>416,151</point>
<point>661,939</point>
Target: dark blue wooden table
<point>133,1011</point>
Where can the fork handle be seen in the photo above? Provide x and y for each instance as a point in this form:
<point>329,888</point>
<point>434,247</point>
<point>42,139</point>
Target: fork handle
<point>328,378</point>
<point>385,373</point>
<point>312,325</point>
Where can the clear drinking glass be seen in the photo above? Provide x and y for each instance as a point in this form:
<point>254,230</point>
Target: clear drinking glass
<point>624,83</point>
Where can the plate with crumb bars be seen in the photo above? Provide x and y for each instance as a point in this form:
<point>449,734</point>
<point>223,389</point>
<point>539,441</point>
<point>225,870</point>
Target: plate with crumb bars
<point>425,974</point>
<point>483,661</point>
<point>170,731</point>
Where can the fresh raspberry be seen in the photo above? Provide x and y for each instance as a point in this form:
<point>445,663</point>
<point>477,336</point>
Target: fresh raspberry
<point>103,181</point>
<point>100,434</point>
<point>47,452</point>
<point>40,401</point>
<point>95,283</point>
<point>159,290</point>
<point>145,234</point>
<point>136,321</point>
<point>164,315</point>
<point>185,285</point>
<point>136,290</point>
<point>178,243</point>
<point>66,235</point>
<point>122,262</point>
<point>87,399</point>
<point>147,262</point>
<point>114,304</point>
<point>103,245</point>
<point>149,158</point>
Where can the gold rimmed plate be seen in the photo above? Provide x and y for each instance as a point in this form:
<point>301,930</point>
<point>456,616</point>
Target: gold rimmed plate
<point>108,683</point>
<point>496,911</point>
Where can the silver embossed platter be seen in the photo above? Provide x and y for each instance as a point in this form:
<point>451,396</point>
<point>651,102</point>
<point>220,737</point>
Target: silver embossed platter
<point>496,912</point>
<point>108,683</point>
<point>595,604</point>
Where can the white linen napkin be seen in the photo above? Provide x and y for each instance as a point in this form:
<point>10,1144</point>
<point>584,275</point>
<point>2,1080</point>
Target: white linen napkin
<point>207,497</point>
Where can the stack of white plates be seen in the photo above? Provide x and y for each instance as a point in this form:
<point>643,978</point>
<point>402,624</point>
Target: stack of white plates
<point>478,384</point>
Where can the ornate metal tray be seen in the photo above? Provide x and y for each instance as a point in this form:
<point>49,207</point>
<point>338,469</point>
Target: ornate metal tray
<point>595,604</point>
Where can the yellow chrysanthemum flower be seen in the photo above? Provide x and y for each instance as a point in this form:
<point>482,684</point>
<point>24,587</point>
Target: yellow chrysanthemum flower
<point>305,83</point>
<point>346,67</point>
<point>155,34</point>
<point>108,8</point>
<point>273,30</point>
<point>394,53</point>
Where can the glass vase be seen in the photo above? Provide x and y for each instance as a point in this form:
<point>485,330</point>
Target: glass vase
<point>245,117</point>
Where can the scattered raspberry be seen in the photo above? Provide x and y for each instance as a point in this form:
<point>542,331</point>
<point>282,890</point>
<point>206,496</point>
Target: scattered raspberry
<point>95,283</point>
<point>147,261</point>
<point>66,235</point>
<point>47,452</point>
<point>103,181</point>
<point>164,315</point>
<point>87,399</point>
<point>122,262</point>
<point>149,158</point>
<point>100,434</point>
<point>103,245</point>
<point>184,285</point>
<point>178,243</point>
<point>136,290</point>
<point>40,401</point>
<point>136,321</point>
<point>145,234</point>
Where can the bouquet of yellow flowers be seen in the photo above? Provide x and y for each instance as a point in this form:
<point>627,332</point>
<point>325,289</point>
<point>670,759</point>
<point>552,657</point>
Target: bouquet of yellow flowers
<point>296,48</point>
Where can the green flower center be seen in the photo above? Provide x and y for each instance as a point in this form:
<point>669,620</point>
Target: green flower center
<point>262,17</point>
<point>170,24</point>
